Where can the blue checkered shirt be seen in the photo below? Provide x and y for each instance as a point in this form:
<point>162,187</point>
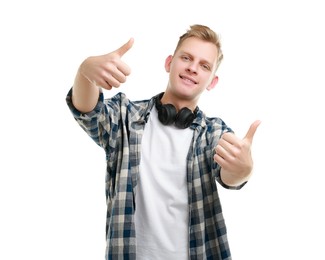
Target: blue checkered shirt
<point>117,125</point>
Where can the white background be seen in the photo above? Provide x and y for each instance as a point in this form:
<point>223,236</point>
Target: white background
<point>52,198</point>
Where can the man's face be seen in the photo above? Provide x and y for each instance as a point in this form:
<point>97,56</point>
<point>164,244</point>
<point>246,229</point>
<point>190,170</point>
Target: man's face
<point>191,69</point>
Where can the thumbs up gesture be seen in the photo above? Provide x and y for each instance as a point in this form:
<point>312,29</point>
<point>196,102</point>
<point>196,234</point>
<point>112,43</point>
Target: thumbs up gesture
<point>107,70</point>
<point>234,156</point>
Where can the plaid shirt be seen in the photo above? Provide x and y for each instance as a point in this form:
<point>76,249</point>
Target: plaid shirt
<point>117,125</point>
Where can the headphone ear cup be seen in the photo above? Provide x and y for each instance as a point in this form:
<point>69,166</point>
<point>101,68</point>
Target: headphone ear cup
<point>184,118</point>
<point>167,114</point>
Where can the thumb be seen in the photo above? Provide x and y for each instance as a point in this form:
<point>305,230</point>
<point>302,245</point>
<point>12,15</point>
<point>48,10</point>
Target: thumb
<point>125,47</point>
<point>251,131</point>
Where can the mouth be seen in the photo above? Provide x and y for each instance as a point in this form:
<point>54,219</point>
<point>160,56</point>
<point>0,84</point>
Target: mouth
<point>188,79</point>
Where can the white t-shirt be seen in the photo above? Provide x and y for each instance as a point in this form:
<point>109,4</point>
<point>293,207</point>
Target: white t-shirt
<point>161,214</point>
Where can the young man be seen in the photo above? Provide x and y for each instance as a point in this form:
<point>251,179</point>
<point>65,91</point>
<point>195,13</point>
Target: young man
<point>164,156</point>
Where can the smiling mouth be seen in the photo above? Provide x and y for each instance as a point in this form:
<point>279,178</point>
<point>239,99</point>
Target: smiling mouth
<point>188,79</point>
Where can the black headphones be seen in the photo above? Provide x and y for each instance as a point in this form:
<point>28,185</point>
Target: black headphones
<point>168,114</point>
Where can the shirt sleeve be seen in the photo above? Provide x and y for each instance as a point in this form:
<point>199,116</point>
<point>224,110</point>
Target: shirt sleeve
<point>95,123</point>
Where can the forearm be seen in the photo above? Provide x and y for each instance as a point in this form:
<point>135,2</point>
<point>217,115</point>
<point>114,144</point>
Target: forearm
<point>84,94</point>
<point>234,180</point>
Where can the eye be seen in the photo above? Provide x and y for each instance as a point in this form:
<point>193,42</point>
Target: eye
<point>185,58</point>
<point>206,66</point>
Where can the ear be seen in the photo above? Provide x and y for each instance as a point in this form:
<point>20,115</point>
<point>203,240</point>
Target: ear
<point>213,83</point>
<point>168,61</point>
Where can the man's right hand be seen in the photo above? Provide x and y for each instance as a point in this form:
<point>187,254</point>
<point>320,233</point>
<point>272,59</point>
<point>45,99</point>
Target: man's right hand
<point>107,70</point>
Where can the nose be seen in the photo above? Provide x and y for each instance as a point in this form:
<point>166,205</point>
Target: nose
<point>192,68</point>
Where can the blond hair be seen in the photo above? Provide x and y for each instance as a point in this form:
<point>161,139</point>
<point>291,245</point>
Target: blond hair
<point>204,33</point>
